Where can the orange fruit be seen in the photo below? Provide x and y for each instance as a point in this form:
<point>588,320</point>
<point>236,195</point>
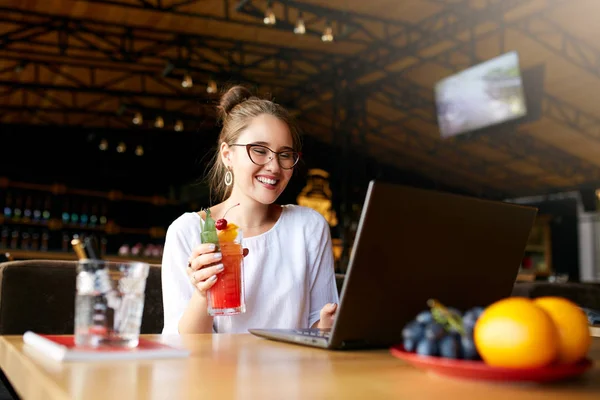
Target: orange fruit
<point>229,233</point>
<point>572,325</point>
<point>516,333</point>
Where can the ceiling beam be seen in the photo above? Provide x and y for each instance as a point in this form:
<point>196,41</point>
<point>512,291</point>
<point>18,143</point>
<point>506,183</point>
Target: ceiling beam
<point>567,114</point>
<point>445,25</point>
<point>556,39</point>
<point>97,41</point>
<point>118,93</point>
<point>406,45</point>
<point>350,26</point>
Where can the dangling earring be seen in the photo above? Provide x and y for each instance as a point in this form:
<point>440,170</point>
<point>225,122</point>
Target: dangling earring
<point>228,178</point>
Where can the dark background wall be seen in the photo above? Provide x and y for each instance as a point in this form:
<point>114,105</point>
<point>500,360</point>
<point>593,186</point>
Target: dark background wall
<point>564,235</point>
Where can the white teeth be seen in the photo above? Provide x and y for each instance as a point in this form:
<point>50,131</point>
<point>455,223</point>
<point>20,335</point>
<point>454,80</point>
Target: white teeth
<point>266,180</point>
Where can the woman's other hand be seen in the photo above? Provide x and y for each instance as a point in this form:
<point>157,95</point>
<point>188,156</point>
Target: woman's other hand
<point>327,316</point>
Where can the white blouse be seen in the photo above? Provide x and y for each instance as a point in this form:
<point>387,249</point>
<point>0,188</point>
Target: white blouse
<point>288,273</point>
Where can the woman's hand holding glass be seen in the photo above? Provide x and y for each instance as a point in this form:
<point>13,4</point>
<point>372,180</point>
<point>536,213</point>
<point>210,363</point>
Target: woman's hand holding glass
<point>204,266</point>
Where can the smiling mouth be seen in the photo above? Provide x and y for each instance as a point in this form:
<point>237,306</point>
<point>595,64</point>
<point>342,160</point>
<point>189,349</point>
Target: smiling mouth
<point>267,181</point>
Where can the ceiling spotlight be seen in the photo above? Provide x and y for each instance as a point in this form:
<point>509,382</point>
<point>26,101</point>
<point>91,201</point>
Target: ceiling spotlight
<point>187,81</point>
<point>269,15</point>
<point>139,150</point>
<point>159,123</point>
<point>300,28</point>
<point>178,126</point>
<point>103,145</point>
<point>211,87</point>
<point>121,147</point>
<point>327,33</point>
<point>137,118</point>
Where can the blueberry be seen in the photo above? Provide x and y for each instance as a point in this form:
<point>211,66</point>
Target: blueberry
<point>434,331</point>
<point>469,351</point>
<point>450,347</point>
<point>469,331</point>
<point>409,345</point>
<point>469,320</point>
<point>424,317</point>
<point>427,347</point>
<point>413,331</point>
<point>477,311</point>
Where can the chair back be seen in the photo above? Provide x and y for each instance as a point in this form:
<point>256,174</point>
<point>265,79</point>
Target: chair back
<point>39,295</point>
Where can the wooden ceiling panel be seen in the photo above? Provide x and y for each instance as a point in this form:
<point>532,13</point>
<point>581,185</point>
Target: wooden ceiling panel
<point>386,111</point>
<point>562,77</point>
<point>580,19</point>
<point>428,74</point>
<point>567,140</point>
<point>438,47</point>
<point>555,181</point>
<point>423,127</point>
<point>489,47</point>
<point>406,10</point>
<point>524,9</point>
<point>525,168</point>
<point>487,153</point>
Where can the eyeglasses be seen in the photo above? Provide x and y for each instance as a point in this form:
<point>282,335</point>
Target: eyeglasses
<point>261,155</point>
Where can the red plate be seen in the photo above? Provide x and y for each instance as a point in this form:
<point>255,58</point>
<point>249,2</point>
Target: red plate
<point>480,371</point>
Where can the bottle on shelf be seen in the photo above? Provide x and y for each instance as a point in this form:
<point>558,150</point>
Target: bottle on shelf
<point>124,250</point>
<point>14,239</point>
<point>4,238</point>
<point>45,240</point>
<point>103,217</point>
<point>8,206</point>
<point>84,217</point>
<point>136,250</point>
<point>35,241</point>
<point>149,250</point>
<point>94,216</point>
<point>18,210</point>
<point>37,211</point>
<point>103,245</point>
<point>28,212</point>
<point>66,215</point>
<point>65,242</point>
<point>47,214</point>
<point>74,217</point>
<point>158,251</point>
<point>25,240</point>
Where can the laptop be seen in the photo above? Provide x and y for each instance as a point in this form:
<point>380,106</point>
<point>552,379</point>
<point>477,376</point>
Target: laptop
<point>412,245</point>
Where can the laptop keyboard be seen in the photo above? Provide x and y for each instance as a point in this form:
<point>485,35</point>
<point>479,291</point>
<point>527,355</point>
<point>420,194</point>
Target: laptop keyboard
<point>313,332</point>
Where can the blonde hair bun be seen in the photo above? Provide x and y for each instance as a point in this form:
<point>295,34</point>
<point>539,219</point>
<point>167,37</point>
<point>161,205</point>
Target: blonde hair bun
<point>231,98</point>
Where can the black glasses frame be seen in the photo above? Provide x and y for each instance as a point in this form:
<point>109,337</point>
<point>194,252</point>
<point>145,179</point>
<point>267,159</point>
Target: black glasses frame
<point>277,153</point>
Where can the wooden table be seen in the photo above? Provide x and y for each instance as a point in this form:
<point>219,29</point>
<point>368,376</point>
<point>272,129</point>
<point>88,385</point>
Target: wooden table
<point>245,367</point>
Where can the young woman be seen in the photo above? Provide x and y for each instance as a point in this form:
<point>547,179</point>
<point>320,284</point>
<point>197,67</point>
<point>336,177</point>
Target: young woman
<point>289,272</point>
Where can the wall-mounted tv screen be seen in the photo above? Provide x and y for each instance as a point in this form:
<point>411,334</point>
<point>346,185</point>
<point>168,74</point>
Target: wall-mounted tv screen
<point>486,94</point>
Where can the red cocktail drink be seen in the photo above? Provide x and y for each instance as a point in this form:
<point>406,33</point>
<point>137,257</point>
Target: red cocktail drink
<point>226,296</point>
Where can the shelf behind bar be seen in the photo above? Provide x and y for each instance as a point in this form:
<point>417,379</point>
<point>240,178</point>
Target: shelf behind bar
<point>112,195</point>
<point>57,255</point>
<point>109,228</point>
